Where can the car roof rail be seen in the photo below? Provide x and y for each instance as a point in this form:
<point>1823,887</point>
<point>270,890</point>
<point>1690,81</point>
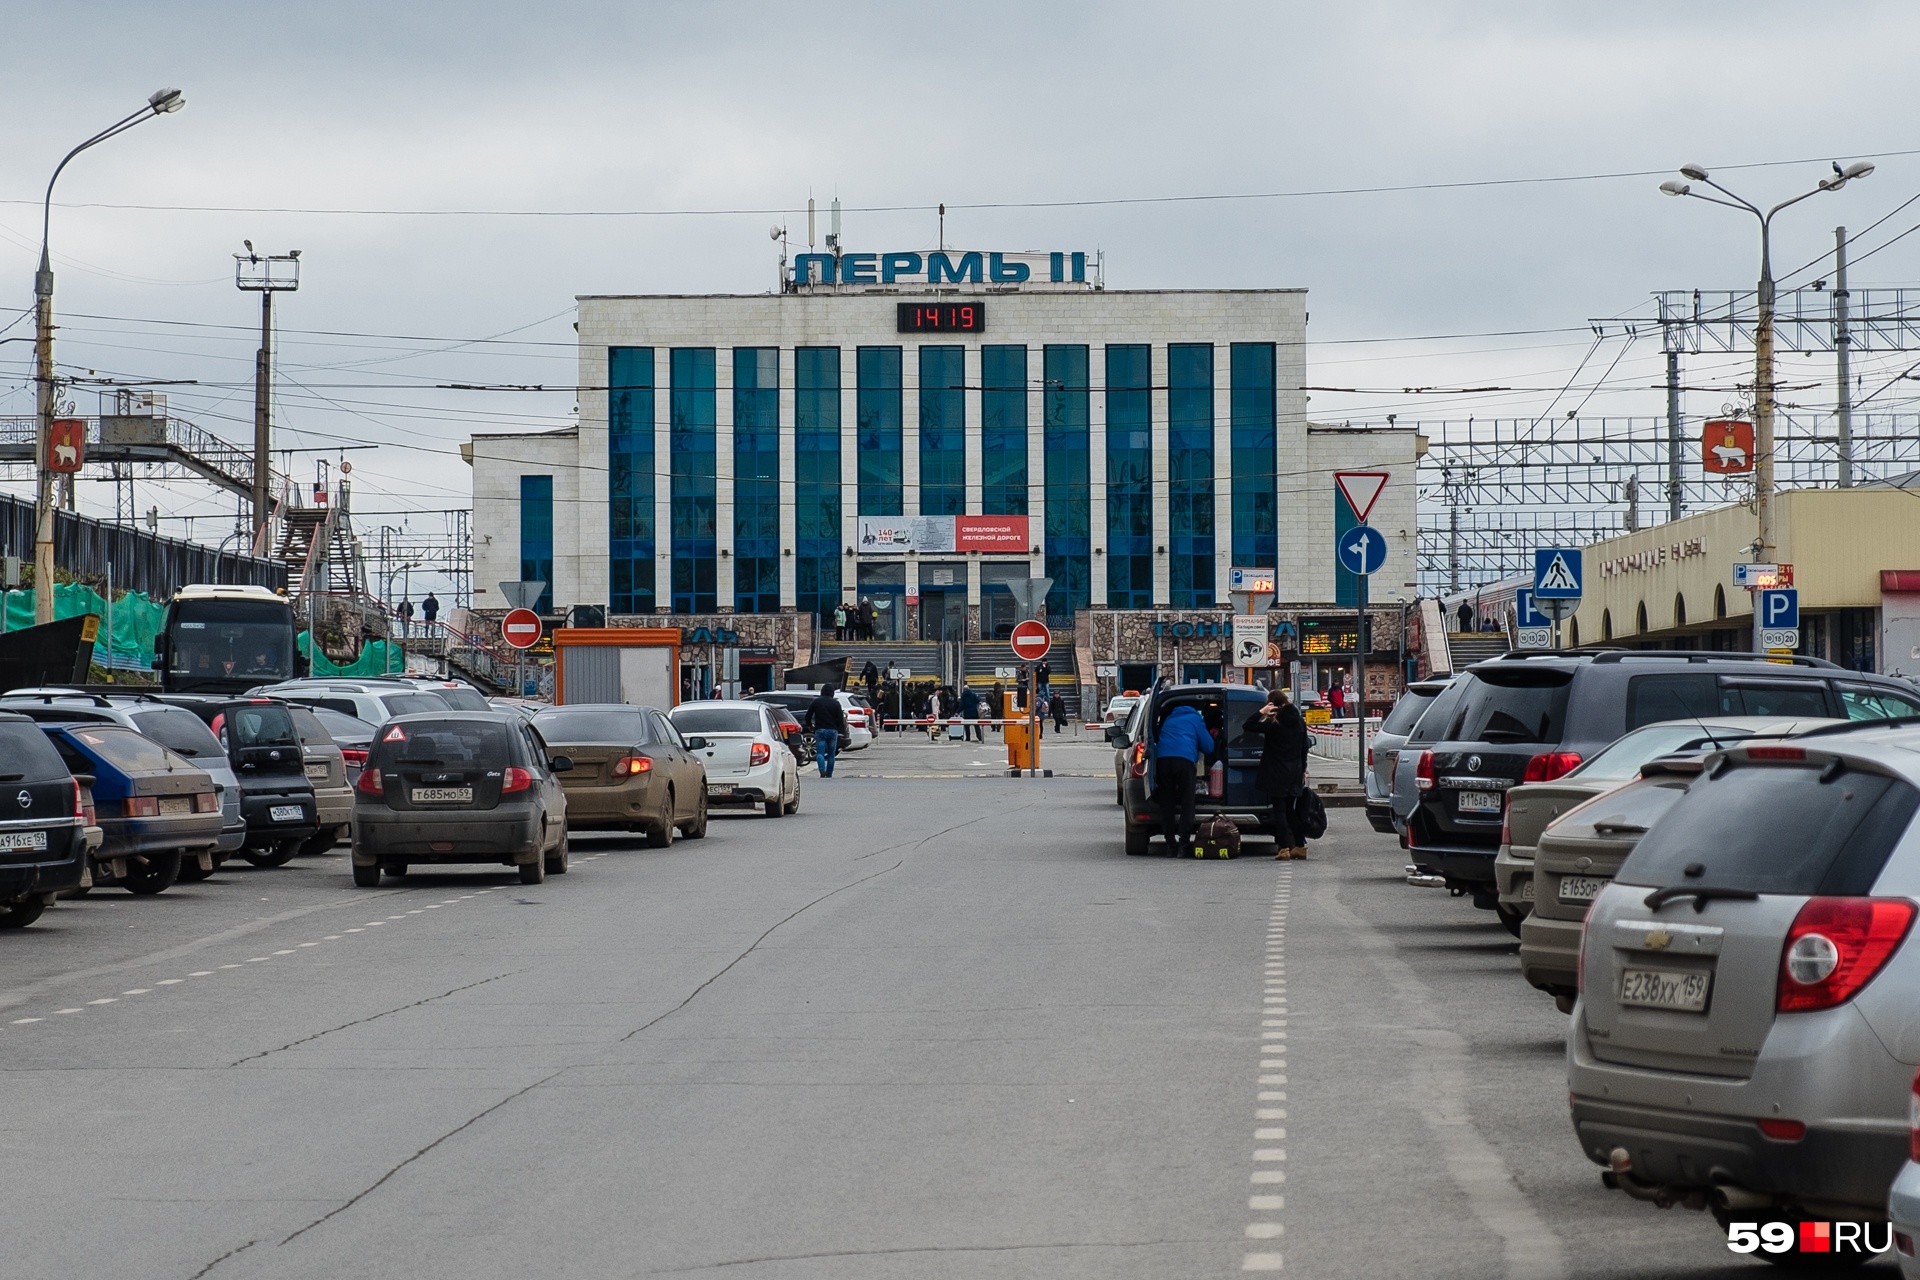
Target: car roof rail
<point>1716,655</point>
<point>47,694</point>
<point>1852,726</point>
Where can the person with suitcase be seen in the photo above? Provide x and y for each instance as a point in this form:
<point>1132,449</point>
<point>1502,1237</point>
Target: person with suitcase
<point>1283,768</point>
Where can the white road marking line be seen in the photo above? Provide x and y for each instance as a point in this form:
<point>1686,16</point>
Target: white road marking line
<point>1261,1262</point>
<point>229,966</point>
<point>431,906</point>
<point>1269,1154</point>
<point>1270,1135</point>
<point>169,982</point>
<point>1273,1007</point>
<point>201,973</point>
<point>21,1022</point>
<point>1268,1176</point>
<point>1263,1230</point>
<point>332,937</point>
<point>1273,1095</point>
<point>374,923</point>
<point>1270,1113</point>
<point>138,991</point>
<point>287,952</point>
<point>1266,1202</point>
<point>66,1011</point>
<point>309,944</point>
<point>356,931</point>
<point>252,960</point>
<point>104,1000</point>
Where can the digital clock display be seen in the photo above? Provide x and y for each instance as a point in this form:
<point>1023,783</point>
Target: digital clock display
<point>942,317</point>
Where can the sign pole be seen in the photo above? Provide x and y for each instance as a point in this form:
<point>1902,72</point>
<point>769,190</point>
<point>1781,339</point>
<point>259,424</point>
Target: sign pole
<point>1360,680</point>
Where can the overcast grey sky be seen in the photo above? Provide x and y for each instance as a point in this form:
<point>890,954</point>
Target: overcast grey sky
<point>435,106</point>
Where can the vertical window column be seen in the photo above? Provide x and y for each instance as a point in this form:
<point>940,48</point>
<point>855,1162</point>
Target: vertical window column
<point>943,427</point>
<point>1003,431</point>
<point>756,480</point>
<point>1129,464</point>
<point>1190,474</point>
<point>692,464</point>
<point>879,414</point>
<point>630,484</point>
<point>816,479</point>
<point>1255,456</point>
<point>536,537</point>
<point>1068,481</point>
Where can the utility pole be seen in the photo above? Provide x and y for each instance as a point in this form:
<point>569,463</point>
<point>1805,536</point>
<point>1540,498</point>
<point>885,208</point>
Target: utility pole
<point>1843,357</point>
<point>265,275</point>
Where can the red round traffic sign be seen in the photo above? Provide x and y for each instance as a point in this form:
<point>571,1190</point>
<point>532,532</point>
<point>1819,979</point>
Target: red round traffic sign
<point>1031,640</point>
<point>521,628</point>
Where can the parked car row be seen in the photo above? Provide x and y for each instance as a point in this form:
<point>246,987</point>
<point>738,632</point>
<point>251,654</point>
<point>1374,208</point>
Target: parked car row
<point>1713,865</point>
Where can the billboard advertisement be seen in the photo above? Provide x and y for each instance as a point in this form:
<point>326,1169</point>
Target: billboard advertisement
<point>897,535</point>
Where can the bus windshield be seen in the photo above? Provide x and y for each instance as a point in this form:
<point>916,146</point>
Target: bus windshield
<point>232,644</point>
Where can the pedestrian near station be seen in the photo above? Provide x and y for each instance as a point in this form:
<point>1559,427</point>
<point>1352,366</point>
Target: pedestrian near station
<point>430,609</point>
<point>406,618</point>
<point>1283,768</point>
<point>829,725</point>
<point>1184,741</point>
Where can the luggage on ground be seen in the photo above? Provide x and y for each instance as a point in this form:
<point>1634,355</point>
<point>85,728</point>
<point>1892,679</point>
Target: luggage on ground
<point>1217,838</point>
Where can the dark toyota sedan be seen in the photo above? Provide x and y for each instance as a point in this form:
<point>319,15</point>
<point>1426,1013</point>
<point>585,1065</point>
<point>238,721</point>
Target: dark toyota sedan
<point>43,842</point>
<point>459,786</point>
<point>156,808</point>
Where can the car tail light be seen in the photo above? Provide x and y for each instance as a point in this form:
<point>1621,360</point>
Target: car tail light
<point>80,803</point>
<point>517,779</point>
<point>1139,769</point>
<point>141,807</point>
<point>1784,1130</point>
<point>1423,772</point>
<point>369,783</point>
<point>1776,753</point>
<point>759,753</point>
<point>1836,946</point>
<point>1550,765</point>
<point>1913,1120</point>
<point>628,766</point>
<point>1580,960</point>
<point>354,756</point>
<point>1506,825</point>
<point>1369,757</point>
<point>206,802</point>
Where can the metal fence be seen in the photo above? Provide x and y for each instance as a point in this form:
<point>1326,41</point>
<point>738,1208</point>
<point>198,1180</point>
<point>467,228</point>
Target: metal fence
<point>140,561</point>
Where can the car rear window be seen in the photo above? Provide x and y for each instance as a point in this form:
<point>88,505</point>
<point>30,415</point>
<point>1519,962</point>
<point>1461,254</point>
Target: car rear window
<point>1624,758</point>
<point>1870,702</point>
<point>178,729</point>
<point>1512,706</point>
<point>261,725</point>
<point>27,756</point>
<point>126,750</point>
<point>407,704</point>
<point>453,743</point>
<point>462,699</point>
<point>312,732</point>
<point>715,719</point>
<point>596,724</point>
<point>1778,829</point>
<point>1687,695</point>
<point>1776,698</point>
<point>1406,713</point>
<point>1433,721</point>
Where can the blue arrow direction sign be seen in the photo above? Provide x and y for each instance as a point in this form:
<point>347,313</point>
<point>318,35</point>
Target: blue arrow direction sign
<point>1556,573</point>
<point>1525,614</point>
<point>1780,609</point>
<point>1362,549</point>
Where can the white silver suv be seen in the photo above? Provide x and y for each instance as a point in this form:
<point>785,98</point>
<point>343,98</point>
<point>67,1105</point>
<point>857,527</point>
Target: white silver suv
<point>376,701</point>
<point>1749,1018</point>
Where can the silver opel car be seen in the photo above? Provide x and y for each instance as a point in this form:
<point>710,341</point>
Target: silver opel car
<point>1749,1016</point>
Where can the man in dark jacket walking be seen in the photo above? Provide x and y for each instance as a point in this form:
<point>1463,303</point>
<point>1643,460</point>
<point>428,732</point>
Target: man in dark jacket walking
<point>829,725</point>
<point>1283,768</point>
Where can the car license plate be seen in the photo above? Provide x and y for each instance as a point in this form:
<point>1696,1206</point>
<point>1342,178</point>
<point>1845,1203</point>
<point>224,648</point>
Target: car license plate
<point>1526,889</point>
<point>719,791</point>
<point>316,771</point>
<point>1480,801</point>
<point>23,839</point>
<point>1581,888</point>
<point>175,804</point>
<point>286,813</point>
<point>442,795</point>
<point>1664,989</point>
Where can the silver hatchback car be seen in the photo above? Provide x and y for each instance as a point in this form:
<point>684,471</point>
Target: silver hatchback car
<point>1749,1017</point>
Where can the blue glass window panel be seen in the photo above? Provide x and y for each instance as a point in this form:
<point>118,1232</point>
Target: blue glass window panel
<point>756,482</point>
<point>630,478</point>
<point>816,468</point>
<point>877,408</point>
<point>692,467</point>
<point>536,536</point>
<point>1254,458</point>
<point>1129,476</point>
<point>1190,475</point>
<point>943,431</point>
<point>1003,430</point>
<point>1068,537</point>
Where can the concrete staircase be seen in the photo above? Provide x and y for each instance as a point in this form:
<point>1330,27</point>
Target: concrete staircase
<point>984,656</point>
<point>1469,647</point>
<point>922,657</point>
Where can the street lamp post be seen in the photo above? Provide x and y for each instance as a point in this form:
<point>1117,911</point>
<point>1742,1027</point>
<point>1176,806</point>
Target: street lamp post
<point>1763,404</point>
<point>162,102</point>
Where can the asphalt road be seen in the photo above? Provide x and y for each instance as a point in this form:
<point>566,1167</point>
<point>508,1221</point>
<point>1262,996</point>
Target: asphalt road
<point>927,1027</point>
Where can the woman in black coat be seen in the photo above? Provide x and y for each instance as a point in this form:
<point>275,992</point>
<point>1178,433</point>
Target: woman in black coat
<point>1283,767</point>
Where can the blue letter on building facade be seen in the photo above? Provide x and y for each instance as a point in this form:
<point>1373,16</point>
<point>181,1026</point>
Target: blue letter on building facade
<point>895,265</point>
<point>804,264</point>
<point>1007,272</point>
<point>940,266</point>
<point>858,268</point>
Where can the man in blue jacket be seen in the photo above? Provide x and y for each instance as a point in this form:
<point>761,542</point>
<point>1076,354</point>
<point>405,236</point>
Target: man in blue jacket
<point>1184,741</point>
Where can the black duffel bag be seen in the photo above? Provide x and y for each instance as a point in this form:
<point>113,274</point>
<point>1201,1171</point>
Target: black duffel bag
<point>1309,815</point>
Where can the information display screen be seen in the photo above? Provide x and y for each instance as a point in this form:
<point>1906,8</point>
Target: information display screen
<point>942,317</point>
<point>1329,637</point>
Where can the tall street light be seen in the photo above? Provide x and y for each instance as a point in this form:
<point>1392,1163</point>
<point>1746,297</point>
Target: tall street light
<point>1762,338</point>
<point>163,102</point>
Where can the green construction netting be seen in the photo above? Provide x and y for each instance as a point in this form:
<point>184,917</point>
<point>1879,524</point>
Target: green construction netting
<point>377,658</point>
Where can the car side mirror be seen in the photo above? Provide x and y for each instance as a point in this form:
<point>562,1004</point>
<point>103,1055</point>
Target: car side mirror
<point>696,743</point>
<point>1117,735</point>
<point>561,764</point>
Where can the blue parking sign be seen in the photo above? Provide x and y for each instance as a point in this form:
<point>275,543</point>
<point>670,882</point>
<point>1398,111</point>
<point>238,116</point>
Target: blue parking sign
<point>1526,613</point>
<point>1780,609</point>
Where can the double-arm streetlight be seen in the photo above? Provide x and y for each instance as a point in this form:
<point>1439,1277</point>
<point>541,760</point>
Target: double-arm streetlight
<point>163,102</point>
<point>1762,334</point>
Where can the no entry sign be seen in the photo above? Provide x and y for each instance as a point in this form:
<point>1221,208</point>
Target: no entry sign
<point>1031,640</point>
<point>521,628</point>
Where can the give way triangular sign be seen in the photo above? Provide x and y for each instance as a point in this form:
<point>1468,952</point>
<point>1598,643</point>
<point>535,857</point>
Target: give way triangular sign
<point>1362,490</point>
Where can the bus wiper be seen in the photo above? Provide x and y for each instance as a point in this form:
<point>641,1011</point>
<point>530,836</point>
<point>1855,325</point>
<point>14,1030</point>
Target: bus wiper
<point>1700,893</point>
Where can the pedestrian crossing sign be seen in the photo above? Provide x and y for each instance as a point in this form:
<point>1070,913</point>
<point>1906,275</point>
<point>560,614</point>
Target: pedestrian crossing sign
<point>1557,573</point>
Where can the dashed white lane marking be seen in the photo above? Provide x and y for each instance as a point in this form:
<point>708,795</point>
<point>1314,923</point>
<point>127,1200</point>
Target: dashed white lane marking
<point>288,951</point>
<point>1273,1009</point>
